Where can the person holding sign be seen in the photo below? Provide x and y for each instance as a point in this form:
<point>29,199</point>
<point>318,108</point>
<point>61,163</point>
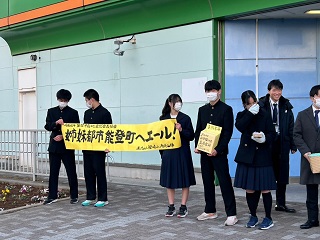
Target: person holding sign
<point>254,171</point>
<point>177,167</point>
<point>219,114</point>
<point>56,117</point>
<point>306,138</point>
<point>94,161</point>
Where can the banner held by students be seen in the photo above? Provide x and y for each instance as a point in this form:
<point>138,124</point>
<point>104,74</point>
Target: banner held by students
<point>159,135</point>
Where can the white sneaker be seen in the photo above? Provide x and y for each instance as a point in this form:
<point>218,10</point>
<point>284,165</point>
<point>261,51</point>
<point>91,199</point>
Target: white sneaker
<point>101,203</point>
<point>205,216</point>
<point>231,220</point>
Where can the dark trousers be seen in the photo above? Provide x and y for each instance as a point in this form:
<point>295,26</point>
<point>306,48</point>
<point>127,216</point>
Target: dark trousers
<point>312,201</point>
<point>69,163</point>
<point>95,172</point>
<point>220,166</point>
<point>281,185</point>
<point>281,194</point>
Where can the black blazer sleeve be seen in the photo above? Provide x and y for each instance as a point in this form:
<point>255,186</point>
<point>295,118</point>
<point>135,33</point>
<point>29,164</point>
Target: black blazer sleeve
<point>51,121</point>
<point>226,133</point>
<point>290,130</point>
<point>187,129</point>
<point>198,128</point>
<point>243,120</point>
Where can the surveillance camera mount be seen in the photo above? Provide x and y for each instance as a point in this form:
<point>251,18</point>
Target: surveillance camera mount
<point>119,42</point>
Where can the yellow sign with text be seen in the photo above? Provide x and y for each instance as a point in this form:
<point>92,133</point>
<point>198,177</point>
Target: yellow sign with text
<point>209,138</point>
<point>159,135</point>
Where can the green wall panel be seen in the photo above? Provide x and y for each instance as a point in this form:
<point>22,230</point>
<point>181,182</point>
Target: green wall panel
<point>18,6</point>
<point>4,6</point>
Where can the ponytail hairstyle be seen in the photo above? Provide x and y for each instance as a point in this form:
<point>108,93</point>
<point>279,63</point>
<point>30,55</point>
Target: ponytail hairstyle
<point>173,98</point>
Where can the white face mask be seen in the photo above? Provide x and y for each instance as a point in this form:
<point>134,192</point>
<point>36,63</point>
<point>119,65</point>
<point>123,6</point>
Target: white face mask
<point>177,106</point>
<point>62,104</point>
<point>254,108</point>
<point>317,103</point>
<point>88,104</point>
<point>212,96</point>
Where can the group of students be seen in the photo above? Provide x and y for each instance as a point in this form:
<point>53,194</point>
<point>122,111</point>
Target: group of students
<point>268,135</point>
<point>93,161</point>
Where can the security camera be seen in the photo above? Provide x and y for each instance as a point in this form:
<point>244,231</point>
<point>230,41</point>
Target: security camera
<point>33,57</point>
<point>118,52</point>
<point>118,42</point>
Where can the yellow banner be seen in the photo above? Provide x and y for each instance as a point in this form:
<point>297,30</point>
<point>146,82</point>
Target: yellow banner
<point>159,135</point>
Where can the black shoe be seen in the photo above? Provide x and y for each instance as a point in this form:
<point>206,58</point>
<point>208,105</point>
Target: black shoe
<point>74,200</point>
<point>284,209</point>
<point>183,212</point>
<point>49,201</point>
<point>171,211</point>
<point>310,224</point>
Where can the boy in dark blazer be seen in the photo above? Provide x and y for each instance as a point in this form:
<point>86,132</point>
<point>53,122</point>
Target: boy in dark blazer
<point>219,114</point>
<point>56,117</point>
<point>306,134</point>
<point>280,110</point>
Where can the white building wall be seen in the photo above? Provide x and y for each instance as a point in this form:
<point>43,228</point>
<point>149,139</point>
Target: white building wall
<point>8,112</point>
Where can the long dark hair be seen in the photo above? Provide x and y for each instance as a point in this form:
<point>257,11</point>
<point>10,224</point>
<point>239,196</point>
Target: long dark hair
<point>173,98</point>
<point>246,95</point>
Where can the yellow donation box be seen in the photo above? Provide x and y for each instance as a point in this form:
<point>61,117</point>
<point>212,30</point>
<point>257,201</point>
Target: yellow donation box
<point>209,138</point>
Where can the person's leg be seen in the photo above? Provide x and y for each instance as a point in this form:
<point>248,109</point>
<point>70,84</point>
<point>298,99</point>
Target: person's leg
<point>222,170</point>
<point>100,170</point>
<point>281,194</point>
<point>55,164</point>
<point>183,211</point>
<point>171,208</point>
<point>170,193</point>
<point>207,172</point>
<point>185,196</point>
<point>252,201</point>
<point>267,202</point>
<point>69,162</point>
<point>89,176</point>
<point>312,202</point>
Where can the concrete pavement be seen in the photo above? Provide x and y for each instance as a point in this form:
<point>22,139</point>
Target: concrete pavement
<point>136,211</point>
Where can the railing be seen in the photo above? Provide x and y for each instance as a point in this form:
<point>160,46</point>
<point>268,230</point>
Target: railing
<point>25,152</point>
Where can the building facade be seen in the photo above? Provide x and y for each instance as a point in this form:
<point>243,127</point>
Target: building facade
<point>179,45</point>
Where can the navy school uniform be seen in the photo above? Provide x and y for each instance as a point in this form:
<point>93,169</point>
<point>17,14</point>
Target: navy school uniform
<point>177,167</point>
<point>58,151</point>
<point>94,161</point>
<point>255,168</point>
<point>221,115</point>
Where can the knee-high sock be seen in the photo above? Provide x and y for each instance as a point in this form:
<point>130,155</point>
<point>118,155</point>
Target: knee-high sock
<point>267,201</point>
<point>252,201</point>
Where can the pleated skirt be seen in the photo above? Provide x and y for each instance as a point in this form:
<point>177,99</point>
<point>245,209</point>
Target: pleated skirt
<point>177,168</point>
<point>255,178</point>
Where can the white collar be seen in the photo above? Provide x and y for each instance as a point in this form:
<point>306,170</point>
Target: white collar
<point>272,102</point>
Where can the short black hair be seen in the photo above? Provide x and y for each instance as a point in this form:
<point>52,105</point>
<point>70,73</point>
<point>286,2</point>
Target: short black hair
<point>91,93</point>
<point>64,94</point>
<point>314,90</point>
<point>275,83</point>
<point>246,95</point>
<point>212,84</point>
